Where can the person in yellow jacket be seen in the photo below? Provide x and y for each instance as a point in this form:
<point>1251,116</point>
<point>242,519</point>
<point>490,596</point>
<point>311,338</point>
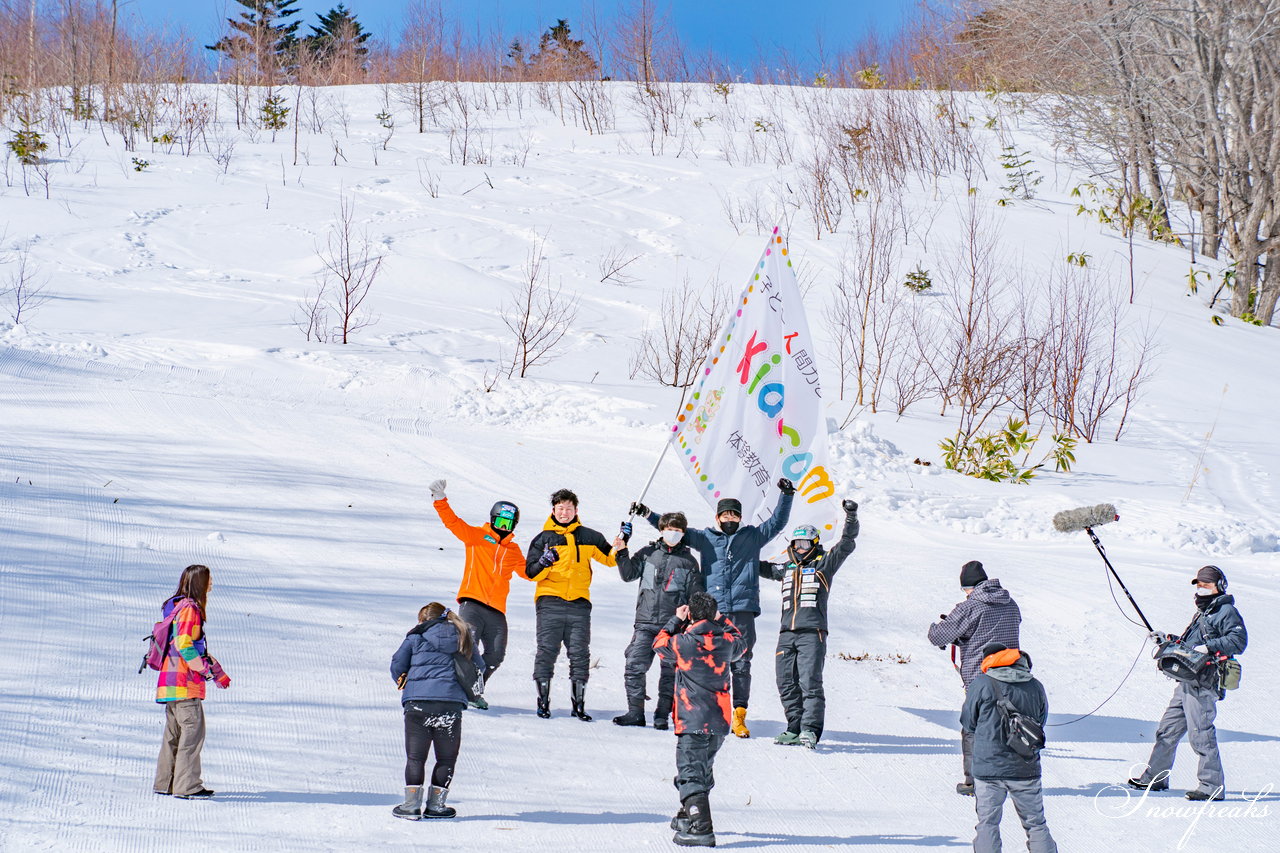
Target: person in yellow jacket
<point>492,558</point>
<point>559,559</point>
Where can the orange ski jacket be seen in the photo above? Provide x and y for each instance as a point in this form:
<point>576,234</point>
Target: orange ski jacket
<point>491,560</point>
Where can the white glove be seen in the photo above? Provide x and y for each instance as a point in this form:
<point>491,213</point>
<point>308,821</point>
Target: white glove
<point>437,490</point>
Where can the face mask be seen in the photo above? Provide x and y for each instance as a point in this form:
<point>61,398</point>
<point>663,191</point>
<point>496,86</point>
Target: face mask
<point>672,537</point>
<point>1200,591</point>
<point>729,527</point>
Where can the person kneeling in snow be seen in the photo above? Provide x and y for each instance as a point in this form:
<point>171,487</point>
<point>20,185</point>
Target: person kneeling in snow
<point>802,640</point>
<point>668,574</point>
<point>998,770</point>
<point>701,644</point>
<point>433,701</point>
<point>492,558</point>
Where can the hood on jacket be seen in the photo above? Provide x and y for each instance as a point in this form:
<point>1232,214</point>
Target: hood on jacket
<point>1010,666</point>
<point>990,592</point>
<point>443,640</point>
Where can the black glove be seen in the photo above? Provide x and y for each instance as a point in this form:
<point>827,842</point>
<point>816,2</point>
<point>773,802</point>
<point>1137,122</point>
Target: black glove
<point>786,486</point>
<point>625,531</point>
<point>549,556</point>
<point>638,508</point>
<point>850,506</point>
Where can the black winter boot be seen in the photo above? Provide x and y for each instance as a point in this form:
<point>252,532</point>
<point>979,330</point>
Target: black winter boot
<point>578,696</point>
<point>544,699</point>
<point>700,832</point>
<point>633,717</point>
<point>680,823</point>
<point>660,722</point>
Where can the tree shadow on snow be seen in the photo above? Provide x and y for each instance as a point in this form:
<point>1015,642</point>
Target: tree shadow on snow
<point>1068,728</point>
<point>765,839</point>
<point>859,743</point>
<point>337,798</point>
<point>574,817</point>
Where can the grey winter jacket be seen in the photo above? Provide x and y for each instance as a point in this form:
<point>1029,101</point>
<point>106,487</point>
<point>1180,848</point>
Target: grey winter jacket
<point>993,758</point>
<point>806,588</point>
<point>730,564</point>
<point>426,657</point>
<point>1219,628</point>
<point>668,576</point>
<point>988,615</point>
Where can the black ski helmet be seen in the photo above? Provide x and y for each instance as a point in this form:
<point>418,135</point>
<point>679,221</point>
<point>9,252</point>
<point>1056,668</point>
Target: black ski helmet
<point>504,516</point>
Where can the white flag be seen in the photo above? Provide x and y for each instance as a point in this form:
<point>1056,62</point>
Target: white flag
<point>756,413</point>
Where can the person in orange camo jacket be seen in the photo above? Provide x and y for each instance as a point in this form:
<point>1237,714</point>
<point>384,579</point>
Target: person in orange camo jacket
<point>492,557</point>
<point>700,643</point>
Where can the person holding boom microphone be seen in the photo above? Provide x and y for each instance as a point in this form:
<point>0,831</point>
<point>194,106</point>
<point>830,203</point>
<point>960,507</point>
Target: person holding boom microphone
<point>1217,628</point>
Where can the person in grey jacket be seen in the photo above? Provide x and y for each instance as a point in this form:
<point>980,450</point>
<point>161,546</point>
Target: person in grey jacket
<point>668,573</point>
<point>802,638</point>
<point>730,557</point>
<point>987,615</point>
<point>999,771</point>
<point>1219,628</point>
<point>433,700</point>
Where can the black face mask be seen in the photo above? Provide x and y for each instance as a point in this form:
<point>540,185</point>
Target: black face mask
<point>1204,602</point>
<point>729,527</point>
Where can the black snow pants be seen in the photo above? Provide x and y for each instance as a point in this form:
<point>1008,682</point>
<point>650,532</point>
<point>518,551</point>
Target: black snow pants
<point>566,623</point>
<point>635,673</point>
<point>799,661</point>
<point>741,668</point>
<point>695,763</point>
<point>428,724</point>
<point>490,626</point>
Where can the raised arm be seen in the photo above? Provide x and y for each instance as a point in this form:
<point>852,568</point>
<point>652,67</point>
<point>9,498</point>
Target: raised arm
<point>848,541</point>
<point>774,524</point>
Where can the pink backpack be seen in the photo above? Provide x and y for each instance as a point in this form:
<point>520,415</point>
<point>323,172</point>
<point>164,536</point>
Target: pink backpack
<point>159,638</point>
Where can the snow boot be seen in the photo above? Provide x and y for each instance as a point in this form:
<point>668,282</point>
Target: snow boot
<point>544,699</point>
<point>1153,786</point>
<point>633,717</point>
<point>435,804</point>
<point>680,822</point>
<point>660,722</point>
<point>411,808</point>
<point>739,726</point>
<point>787,738</point>
<point>578,696</point>
<point>1201,796</point>
<point>479,704</point>
<point>699,833</point>
<point>809,740</point>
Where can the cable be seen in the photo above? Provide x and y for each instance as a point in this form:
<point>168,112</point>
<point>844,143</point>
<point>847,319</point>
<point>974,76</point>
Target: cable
<point>1113,692</point>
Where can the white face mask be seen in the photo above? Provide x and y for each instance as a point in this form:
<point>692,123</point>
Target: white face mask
<point>672,537</point>
<point>1202,591</point>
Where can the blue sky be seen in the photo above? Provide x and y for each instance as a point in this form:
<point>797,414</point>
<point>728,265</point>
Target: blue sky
<point>739,30</point>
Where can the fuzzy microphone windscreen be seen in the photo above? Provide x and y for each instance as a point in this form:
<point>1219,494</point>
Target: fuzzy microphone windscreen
<point>1070,520</point>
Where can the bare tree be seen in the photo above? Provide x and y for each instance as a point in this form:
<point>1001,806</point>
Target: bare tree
<point>671,351</point>
<point>25,291</point>
<point>538,315</point>
<point>313,316</point>
<point>350,268</point>
<point>613,264</point>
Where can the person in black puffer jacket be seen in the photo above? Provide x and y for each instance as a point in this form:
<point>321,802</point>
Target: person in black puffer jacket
<point>802,640</point>
<point>999,771</point>
<point>1217,627</point>
<point>668,574</point>
<point>433,701</point>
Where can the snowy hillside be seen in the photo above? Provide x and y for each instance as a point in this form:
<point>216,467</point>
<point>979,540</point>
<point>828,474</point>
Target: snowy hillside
<point>163,407</point>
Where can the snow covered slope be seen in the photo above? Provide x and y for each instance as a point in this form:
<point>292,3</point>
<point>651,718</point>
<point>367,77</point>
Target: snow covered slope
<point>162,409</point>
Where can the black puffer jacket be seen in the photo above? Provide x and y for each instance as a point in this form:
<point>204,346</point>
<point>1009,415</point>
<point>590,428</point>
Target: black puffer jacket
<point>806,588</point>
<point>668,576</point>
<point>701,654</point>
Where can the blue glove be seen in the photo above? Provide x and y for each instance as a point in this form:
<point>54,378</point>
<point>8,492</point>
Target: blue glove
<point>549,556</point>
<point>625,532</point>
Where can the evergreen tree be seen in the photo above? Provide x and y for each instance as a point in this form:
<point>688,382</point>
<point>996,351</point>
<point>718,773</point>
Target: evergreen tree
<point>338,30</point>
<point>561,55</point>
<point>263,31</point>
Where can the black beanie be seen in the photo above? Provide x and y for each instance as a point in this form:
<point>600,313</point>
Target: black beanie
<point>972,574</point>
<point>991,648</point>
<point>729,505</point>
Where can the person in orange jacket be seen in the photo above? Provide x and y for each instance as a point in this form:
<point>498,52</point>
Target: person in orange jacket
<point>492,558</point>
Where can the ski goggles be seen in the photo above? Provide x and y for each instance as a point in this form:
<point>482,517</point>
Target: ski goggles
<point>505,519</point>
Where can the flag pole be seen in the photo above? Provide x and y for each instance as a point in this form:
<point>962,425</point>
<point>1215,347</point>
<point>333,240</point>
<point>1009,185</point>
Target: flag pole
<point>666,445</point>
